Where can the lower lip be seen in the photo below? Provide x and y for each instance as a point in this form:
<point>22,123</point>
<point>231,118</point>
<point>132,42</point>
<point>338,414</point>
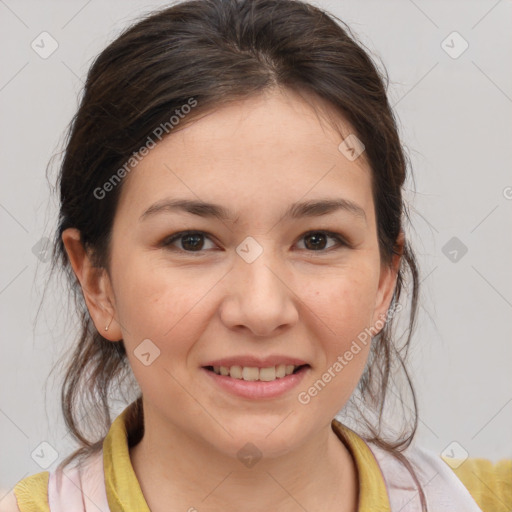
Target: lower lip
<point>258,389</point>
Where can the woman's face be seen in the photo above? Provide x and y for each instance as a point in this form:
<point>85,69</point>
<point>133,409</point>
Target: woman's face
<point>263,286</point>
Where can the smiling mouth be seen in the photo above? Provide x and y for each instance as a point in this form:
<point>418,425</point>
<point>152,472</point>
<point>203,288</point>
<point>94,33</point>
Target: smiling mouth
<point>251,373</point>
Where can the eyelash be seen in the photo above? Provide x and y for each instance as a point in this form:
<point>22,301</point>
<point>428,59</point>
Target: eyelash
<point>167,243</point>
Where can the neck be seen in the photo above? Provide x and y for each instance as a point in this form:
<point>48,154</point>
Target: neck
<point>178,472</point>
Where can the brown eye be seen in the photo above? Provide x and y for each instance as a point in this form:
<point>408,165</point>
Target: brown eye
<point>317,240</point>
<point>193,241</point>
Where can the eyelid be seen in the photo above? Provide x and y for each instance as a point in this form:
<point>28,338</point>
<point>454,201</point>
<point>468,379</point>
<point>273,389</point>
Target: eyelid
<point>329,234</point>
<point>169,240</point>
<point>340,239</point>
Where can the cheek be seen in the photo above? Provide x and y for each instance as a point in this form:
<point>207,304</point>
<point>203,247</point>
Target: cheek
<point>163,307</point>
<point>157,304</point>
<point>343,303</point>
<point>340,312</point>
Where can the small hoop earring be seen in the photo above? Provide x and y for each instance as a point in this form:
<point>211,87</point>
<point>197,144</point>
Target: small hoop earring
<point>108,325</point>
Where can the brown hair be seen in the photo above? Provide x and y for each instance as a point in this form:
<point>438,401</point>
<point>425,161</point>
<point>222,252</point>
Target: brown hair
<point>218,51</point>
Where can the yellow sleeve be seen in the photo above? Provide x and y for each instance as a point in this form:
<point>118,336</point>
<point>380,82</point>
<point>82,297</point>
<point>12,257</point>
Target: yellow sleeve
<point>489,484</point>
<point>32,493</point>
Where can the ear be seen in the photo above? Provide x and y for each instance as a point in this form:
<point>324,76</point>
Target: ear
<point>387,283</point>
<point>96,286</point>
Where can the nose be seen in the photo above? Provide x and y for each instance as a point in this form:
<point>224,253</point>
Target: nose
<point>259,297</point>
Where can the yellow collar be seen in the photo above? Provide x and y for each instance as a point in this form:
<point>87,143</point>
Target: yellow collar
<point>372,489</point>
<point>123,490</point>
<point>124,493</point>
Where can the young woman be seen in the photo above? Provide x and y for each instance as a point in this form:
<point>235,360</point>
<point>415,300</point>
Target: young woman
<point>231,219</point>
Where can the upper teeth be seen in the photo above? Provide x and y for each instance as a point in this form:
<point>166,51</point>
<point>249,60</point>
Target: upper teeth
<point>252,373</point>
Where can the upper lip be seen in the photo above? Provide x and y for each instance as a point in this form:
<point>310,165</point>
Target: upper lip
<point>256,362</point>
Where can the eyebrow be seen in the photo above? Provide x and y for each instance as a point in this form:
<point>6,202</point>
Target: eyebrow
<point>313,208</point>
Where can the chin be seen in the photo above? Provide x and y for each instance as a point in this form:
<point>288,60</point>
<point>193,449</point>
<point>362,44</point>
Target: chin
<point>263,437</point>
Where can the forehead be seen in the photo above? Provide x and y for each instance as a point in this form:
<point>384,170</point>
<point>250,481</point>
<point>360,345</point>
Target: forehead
<point>271,148</point>
<point>277,119</point>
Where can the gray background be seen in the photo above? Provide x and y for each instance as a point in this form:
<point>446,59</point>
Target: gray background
<point>455,120</point>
